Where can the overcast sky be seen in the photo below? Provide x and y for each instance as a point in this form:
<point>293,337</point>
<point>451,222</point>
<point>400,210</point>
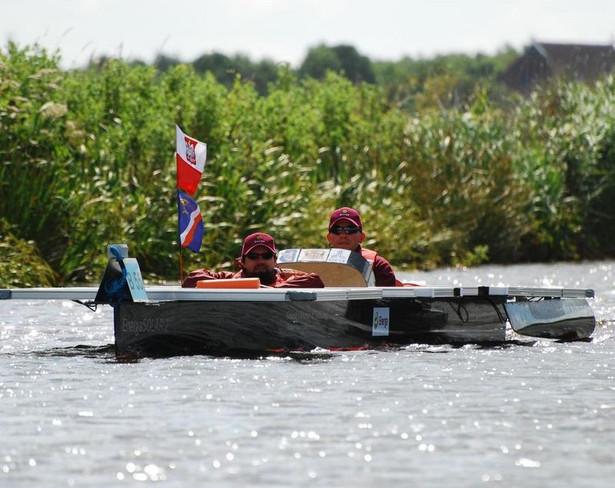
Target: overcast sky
<point>284,30</point>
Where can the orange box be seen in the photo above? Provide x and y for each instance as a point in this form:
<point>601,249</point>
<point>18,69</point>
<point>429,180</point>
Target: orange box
<point>238,283</point>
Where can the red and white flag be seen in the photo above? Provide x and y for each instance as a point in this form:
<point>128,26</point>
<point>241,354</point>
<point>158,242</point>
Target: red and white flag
<point>190,157</point>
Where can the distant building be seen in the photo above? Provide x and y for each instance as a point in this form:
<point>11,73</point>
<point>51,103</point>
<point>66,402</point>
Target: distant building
<point>542,61</point>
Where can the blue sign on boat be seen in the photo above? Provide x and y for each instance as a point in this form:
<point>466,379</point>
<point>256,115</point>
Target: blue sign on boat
<point>135,280</point>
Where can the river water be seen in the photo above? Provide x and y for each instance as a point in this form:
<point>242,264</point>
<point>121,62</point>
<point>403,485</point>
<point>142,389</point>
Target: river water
<point>535,415</point>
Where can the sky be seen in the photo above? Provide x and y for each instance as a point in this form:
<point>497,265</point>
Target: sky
<point>284,30</point>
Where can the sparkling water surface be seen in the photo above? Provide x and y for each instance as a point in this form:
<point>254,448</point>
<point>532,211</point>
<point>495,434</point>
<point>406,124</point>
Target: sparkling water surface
<point>541,414</point>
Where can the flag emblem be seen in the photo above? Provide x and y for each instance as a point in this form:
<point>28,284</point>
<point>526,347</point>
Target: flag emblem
<point>190,150</point>
<point>190,156</point>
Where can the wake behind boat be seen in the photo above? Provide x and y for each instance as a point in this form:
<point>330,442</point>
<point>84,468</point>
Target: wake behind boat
<point>250,322</point>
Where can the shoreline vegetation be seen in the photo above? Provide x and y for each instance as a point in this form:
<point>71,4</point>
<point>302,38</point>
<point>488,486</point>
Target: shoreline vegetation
<point>87,159</point>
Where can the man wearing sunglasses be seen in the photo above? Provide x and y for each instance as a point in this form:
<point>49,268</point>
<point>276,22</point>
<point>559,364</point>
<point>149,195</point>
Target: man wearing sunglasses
<point>346,232</point>
<point>258,260</point>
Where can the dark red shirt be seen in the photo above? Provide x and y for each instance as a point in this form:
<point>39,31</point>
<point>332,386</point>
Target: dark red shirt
<point>383,271</point>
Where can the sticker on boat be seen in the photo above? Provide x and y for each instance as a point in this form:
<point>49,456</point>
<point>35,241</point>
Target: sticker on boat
<point>380,321</point>
<point>338,256</point>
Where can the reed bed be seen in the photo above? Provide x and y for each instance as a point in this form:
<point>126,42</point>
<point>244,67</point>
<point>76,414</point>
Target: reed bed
<point>87,159</point>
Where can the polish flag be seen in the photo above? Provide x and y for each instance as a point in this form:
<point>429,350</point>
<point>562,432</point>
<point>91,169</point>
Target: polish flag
<point>190,157</point>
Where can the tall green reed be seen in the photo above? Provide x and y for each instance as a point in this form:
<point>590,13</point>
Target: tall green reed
<point>88,159</point>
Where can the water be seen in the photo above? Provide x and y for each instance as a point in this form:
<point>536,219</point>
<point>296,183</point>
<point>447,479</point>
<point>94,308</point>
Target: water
<point>538,415</point>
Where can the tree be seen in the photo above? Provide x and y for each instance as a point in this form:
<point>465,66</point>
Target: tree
<point>219,65</point>
<point>226,69</point>
<point>341,59</point>
<point>163,62</point>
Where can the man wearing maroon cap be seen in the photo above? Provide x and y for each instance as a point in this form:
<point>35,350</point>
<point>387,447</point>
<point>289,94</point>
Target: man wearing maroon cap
<point>346,232</point>
<point>258,260</point>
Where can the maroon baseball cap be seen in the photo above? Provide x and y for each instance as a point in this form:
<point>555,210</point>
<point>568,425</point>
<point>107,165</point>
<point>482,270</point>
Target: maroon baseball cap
<point>258,239</point>
<point>345,213</point>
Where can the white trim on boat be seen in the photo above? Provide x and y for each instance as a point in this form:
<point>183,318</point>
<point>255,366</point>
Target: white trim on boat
<point>176,293</point>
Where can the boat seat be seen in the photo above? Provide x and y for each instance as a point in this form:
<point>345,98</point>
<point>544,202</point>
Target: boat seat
<point>336,267</point>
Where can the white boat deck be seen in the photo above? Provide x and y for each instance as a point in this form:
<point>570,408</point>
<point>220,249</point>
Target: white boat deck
<point>176,293</point>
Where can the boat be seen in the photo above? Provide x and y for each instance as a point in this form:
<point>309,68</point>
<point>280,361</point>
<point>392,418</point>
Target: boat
<point>240,320</point>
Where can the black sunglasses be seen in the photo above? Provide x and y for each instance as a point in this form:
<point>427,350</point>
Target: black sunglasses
<point>255,255</point>
<point>348,230</point>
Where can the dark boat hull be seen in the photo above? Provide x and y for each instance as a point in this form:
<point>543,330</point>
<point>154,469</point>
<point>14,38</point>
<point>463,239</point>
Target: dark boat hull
<point>256,328</point>
<point>170,320</point>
